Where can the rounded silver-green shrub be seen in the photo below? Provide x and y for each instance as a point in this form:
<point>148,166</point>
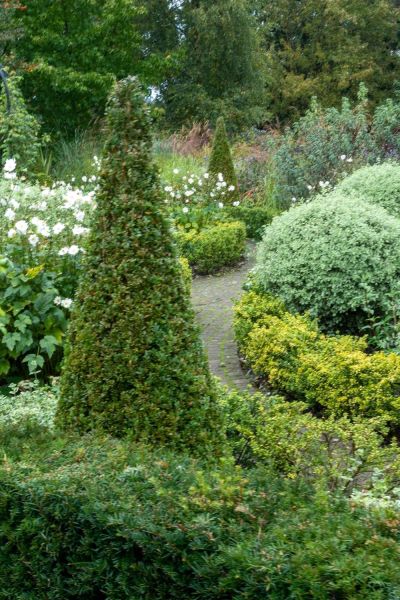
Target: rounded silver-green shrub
<point>379,184</point>
<point>335,258</point>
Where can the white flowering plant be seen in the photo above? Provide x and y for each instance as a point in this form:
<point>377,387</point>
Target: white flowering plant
<point>197,201</point>
<point>42,232</point>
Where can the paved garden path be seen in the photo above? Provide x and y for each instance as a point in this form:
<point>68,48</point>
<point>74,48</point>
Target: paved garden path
<point>213,297</point>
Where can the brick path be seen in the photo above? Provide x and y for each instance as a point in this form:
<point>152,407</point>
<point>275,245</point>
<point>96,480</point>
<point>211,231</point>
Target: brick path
<point>213,297</point>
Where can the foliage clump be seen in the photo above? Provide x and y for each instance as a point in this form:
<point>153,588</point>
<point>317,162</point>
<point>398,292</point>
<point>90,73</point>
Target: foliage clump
<point>135,363</point>
<point>93,518</point>
<point>221,162</point>
<point>338,259</point>
<point>214,247</point>
<point>19,130</point>
<point>334,375</point>
<point>379,184</point>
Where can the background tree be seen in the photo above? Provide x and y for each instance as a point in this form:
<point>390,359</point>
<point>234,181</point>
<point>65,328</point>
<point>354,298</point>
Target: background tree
<point>71,52</point>
<point>326,48</point>
<point>221,72</point>
<point>135,363</point>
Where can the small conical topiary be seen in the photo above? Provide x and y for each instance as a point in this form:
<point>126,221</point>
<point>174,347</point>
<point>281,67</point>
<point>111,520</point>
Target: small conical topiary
<point>134,361</point>
<point>221,161</point>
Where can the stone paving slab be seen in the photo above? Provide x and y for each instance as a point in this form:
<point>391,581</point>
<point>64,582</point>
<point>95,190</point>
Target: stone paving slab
<point>213,297</point>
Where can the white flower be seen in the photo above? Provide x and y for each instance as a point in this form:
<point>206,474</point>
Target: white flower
<point>168,188</point>
<point>80,215</point>
<point>42,205</point>
<point>33,239</point>
<point>41,226</point>
<point>58,228</point>
<point>14,203</point>
<point>231,188</point>
<point>199,182</point>
<point>79,230</point>
<point>212,194</point>
<point>9,214</point>
<point>63,251</point>
<point>206,175</point>
<point>190,180</point>
<point>21,226</point>
<point>342,157</point>
<point>58,300</point>
<point>349,160</point>
<point>236,203</point>
<point>309,187</point>
<point>172,194</point>
<point>66,303</point>
<point>189,193</point>
<point>10,165</point>
<point>185,209</point>
<point>73,250</point>
<point>176,171</point>
<point>84,179</point>
<point>71,197</point>
<point>220,205</point>
<point>11,233</point>
<point>220,177</point>
<point>9,175</point>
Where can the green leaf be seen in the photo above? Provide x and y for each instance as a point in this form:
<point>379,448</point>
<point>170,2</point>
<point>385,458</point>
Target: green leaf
<point>49,344</point>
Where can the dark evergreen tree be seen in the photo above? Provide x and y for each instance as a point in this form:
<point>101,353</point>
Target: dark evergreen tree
<point>134,361</point>
<point>221,68</point>
<point>221,160</point>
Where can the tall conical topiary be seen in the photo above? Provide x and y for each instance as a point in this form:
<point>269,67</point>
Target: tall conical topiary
<point>221,161</point>
<point>134,361</point>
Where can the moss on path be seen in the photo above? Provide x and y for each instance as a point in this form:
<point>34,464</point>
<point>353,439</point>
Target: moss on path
<point>213,297</point>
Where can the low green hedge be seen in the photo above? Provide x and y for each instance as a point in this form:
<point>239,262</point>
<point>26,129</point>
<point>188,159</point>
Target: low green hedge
<point>254,217</point>
<point>91,519</point>
<point>333,372</point>
<point>212,248</point>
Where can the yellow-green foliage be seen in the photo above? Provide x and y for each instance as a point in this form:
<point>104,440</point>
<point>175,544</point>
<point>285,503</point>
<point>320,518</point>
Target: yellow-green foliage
<point>214,247</point>
<point>250,309</point>
<point>339,375</point>
<point>275,347</point>
<point>336,373</point>
<point>186,274</point>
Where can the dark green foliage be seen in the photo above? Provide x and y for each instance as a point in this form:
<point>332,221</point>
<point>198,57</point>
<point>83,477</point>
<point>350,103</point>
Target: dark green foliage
<point>71,52</point>
<point>221,68</point>
<point>65,99</point>
<point>325,49</point>
<point>97,519</point>
<point>254,217</point>
<point>134,363</point>
<point>19,130</point>
<point>221,160</point>
<point>213,247</point>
